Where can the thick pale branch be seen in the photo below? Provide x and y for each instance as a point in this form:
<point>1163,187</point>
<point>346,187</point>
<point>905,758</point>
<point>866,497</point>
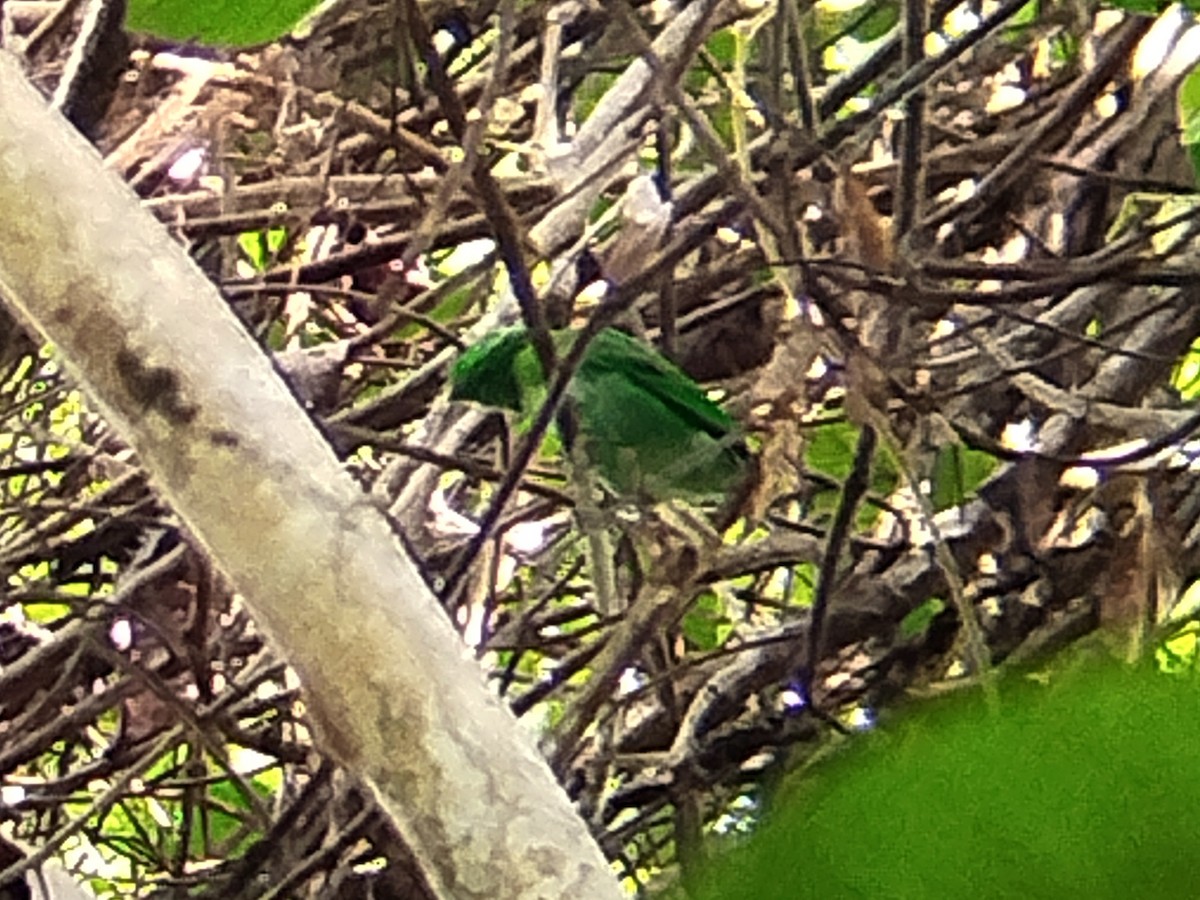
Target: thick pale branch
<point>396,699</point>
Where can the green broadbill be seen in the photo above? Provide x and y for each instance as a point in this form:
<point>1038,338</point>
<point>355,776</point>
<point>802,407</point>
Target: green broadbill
<point>645,427</point>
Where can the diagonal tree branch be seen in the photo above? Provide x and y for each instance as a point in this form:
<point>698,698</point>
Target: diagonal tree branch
<point>394,697</point>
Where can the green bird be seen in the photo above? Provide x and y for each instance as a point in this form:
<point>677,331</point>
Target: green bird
<point>644,426</point>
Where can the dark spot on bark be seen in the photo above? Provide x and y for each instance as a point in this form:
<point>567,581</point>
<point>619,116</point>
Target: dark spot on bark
<point>156,388</point>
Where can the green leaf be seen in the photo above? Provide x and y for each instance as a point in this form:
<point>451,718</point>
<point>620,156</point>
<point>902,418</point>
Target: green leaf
<point>1187,103</point>
<point>1193,152</point>
<point>218,23</point>
<point>448,309</point>
<point>1145,7</point>
<point>885,476</point>
<point>1064,48</point>
<point>1187,100</point>
<point>881,20</point>
<point>261,247</point>
<point>706,626</point>
<point>957,472</point>
<point>1177,654</point>
<point>918,621</point>
<point>46,612</point>
<point>1168,240</point>
<point>1088,788</point>
<point>831,448</point>
<point>1020,21</point>
<point>1186,376</point>
<point>804,581</point>
<point>723,47</point>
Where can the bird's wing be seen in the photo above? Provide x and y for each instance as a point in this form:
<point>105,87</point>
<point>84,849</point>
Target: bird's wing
<point>616,352</point>
<point>487,372</point>
<point>649,428</point>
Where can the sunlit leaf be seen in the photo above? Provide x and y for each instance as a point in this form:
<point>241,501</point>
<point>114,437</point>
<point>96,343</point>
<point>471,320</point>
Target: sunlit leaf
<point>830,449</point>
<point>957,472</point>
<point>918,621</point>
<point>1186,376</point>
<point>1082,789</point>
<point>723,47</point>
<point>223,23</point>
<point>262,247</point>
<point>1145,7</point>
<point>706,625</point>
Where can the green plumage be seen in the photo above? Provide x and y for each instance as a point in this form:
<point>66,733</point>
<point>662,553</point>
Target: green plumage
<point>646,427</point>
<point>487,372</point>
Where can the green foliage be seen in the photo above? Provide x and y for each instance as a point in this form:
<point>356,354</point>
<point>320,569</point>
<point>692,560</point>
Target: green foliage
<point>1185,377</point>
<point>918,621</point>
<point>1188,99</point>
<point>1082,789</point>
<point>831,449</point>
<point>453,305</point>
<point>1064,48</point>
<point>1188,103</point>
<point>1179,652</point>
<point>646,427</point>
<point>957,472</point>
<point>707,624</point>
<point>222,23</point>
<point>591,91</point>
<point>1020,22</point>
<point>723,47</point>
<point>804,582</point>
<point>866,22</point>
<point>1145,7</point>
<point>721,119</point>
<point>46,612</point>
<point>262,247</point>
<point>1152,7</point>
